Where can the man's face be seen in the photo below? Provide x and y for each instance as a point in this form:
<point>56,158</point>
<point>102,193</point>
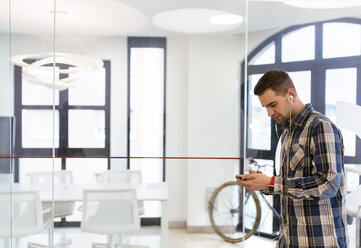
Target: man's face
<point>278,107</point>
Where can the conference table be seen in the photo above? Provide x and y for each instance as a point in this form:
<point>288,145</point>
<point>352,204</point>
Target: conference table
<point>74,192</point>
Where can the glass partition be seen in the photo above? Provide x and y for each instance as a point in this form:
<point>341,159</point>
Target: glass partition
<point>94,89</point>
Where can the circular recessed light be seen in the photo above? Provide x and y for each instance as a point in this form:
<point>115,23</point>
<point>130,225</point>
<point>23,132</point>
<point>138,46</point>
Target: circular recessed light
<point>322,4</point>
<point>227,19</point>
<point>193,20</point>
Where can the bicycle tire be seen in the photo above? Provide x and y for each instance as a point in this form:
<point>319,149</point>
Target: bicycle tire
<point>228,196</point>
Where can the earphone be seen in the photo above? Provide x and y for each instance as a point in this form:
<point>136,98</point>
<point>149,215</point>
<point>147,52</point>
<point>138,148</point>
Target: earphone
<point>291,97</point>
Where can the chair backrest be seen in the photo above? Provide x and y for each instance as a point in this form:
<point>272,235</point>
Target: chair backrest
<point>121,176</point>
<point>20,213</point>
<point>61,209</point>
<point>46,177</point>
<point>110,211</point>
<point>6,178</point>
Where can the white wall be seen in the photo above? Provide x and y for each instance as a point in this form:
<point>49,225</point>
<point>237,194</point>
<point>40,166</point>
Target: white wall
<point>177,128</point>
<point>213,117</point>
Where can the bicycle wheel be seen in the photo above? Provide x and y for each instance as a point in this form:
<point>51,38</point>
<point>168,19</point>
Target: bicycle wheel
<point>225,210</point>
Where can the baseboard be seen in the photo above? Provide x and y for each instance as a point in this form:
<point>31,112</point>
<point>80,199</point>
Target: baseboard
<point>199,229</point>
<point>177,224</point>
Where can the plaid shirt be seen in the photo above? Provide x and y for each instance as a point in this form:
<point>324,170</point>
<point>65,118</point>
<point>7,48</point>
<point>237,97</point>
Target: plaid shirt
<point>311,183</point>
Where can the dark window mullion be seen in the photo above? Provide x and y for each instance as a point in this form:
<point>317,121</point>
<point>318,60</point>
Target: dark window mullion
<point>318,41</point>
<point>88,107</point>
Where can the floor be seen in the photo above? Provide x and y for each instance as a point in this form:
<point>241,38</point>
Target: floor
<point>150,237</point>
<point>147,237</point>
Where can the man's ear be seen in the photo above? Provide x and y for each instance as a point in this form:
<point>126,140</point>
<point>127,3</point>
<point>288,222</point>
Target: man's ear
<point>292,94</point>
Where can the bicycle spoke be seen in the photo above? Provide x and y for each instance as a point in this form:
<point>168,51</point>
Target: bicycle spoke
<point>226,212</point>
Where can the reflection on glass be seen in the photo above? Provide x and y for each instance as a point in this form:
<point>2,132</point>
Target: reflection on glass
<point>259,124</point>
<point>299,45</point>
<point>37,128</point>
<point>266,56</point>
<point>89,90</point>
<point>302,82</point>
<point>341,85</point>
<point>341,40</point>
<point>34,94</point>
<point>86,128</point>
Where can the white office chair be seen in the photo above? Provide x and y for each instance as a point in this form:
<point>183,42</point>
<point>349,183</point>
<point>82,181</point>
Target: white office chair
<point>121,176</point>
<point>63,208</point>
<point>21,214</point>
<point>124,176</point>
<point>110,212</point>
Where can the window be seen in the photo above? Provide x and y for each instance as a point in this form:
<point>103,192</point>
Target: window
<point>319,80</point>
<point>324,61</point>
<point>79,127</point>
<point>146,111</point>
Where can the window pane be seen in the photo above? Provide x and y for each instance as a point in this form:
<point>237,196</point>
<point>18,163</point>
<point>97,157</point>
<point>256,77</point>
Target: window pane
<point>266,56</point>
<point>302,82</point>
<point>146,106</point>
<point>86,128</point>
<point>341,85</point>
<point>37,128</point>
<point>34,94</point>
<point>299,45</point>
<point>341,39</point>
<point>89,90</point>
<point>259,124</point>
<point>30,165</point>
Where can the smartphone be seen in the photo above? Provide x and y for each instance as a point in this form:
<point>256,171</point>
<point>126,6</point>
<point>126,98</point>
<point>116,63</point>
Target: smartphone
<point>241,177</point>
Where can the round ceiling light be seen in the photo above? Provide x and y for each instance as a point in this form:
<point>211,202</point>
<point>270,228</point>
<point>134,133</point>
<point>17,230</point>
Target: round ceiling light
<point>196,20</point>
<point>322,4</point>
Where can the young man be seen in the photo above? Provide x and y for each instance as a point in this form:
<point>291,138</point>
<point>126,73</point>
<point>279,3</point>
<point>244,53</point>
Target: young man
<point>311,179</point>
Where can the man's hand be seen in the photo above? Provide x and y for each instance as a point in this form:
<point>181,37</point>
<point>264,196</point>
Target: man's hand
<point>254,181</point>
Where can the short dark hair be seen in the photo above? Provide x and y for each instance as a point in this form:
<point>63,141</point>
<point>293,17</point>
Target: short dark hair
<point>278,81</point>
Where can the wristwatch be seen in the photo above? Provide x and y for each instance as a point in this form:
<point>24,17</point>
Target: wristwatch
<point>271,188</point>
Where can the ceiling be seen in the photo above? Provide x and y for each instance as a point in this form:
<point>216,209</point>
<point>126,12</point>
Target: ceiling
<point>134,17</point>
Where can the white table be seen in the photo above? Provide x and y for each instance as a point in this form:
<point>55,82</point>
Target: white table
<point>74,192</point>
